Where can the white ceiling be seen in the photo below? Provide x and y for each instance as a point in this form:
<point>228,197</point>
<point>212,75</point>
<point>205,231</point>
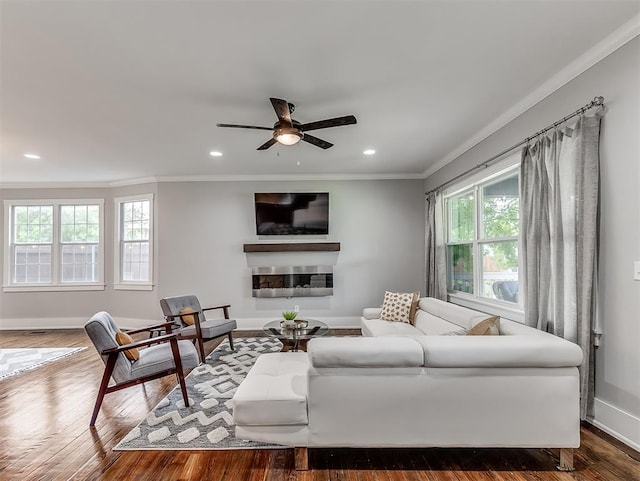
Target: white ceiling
<point>107,92</point>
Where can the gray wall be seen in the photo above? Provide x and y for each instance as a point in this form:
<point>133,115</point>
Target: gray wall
<point>380,225</point>
<point>617,78</point>
<point>72,308</point>
<point>200,228</point>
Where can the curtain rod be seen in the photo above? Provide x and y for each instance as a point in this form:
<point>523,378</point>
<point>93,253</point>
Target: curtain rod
<point>597,101</point>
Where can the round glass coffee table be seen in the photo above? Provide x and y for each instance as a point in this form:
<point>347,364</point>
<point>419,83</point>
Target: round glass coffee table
<point>295,339</point>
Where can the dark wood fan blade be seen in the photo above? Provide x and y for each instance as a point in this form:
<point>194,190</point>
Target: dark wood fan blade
<point>282,111</point>
<point>324,124</point>
<point>267,144</point>
<point>323,144</point>
<point>245,126</point>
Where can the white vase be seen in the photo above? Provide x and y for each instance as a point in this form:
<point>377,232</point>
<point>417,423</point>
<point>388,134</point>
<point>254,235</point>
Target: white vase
<point>288,323</point>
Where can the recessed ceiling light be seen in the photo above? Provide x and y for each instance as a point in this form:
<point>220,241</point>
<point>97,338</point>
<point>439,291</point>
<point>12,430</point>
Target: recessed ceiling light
<point>215,153</point>
<point>369,152</point>
<point>32,156</point>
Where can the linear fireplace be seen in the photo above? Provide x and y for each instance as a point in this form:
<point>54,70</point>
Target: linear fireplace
<point>292,281</point>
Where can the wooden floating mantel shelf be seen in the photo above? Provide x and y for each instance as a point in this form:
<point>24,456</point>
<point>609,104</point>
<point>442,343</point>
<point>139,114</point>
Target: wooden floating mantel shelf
<point>294,247</point>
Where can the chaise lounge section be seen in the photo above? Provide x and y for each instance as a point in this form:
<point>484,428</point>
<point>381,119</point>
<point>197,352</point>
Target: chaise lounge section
<point>413,386</point>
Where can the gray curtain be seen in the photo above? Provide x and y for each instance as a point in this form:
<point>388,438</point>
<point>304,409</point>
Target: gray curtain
<point>435,250</point>
<point>559,209</point>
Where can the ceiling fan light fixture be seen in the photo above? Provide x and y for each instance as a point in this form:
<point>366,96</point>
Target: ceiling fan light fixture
<point>288,131</point>
<point>288,136</point>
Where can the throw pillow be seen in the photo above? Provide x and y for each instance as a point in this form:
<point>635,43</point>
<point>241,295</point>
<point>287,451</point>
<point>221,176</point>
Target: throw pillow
<point>123,339</point>
<point>188,320</point>
<point>414,307</point>
<point>396,306</point>
<point>488,327</point>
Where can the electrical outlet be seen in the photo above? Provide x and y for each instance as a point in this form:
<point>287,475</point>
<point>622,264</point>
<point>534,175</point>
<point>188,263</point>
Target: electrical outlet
<point>296,308</point>
<point>636,270</point>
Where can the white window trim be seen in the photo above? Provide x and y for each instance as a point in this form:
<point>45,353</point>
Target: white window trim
<point>56,285</point>
<point>117,254</point>
<point>515,312</point>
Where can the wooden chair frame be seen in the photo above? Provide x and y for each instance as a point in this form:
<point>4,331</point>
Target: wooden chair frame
<point>196,316</point>
<point>113,354</point>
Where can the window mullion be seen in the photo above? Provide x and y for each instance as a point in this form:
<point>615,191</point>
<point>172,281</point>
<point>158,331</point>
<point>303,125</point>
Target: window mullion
<point>477,257</point>
<point>121,227</point>
<point>499,239</point>
<point>56,246</point>
<point>12,262</point>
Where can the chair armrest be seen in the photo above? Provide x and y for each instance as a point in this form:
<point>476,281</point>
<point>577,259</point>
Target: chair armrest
<point>149,328</point>
<point>224,307</point>
<point>145,342</point>
<point>169,317</point>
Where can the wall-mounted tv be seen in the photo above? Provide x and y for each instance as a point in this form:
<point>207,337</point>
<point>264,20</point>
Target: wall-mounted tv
<point>293,213</point>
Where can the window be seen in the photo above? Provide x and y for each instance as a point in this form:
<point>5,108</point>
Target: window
<point>134,243</point>
<point>482,229</point>
<point>54,245</point>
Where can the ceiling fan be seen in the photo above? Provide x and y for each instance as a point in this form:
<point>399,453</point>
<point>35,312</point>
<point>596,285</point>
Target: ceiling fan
<point>288,131</point>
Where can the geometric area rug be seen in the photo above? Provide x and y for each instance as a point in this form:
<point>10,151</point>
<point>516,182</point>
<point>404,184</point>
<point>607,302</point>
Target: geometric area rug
<point>16,361</point>
<point>207,423</point>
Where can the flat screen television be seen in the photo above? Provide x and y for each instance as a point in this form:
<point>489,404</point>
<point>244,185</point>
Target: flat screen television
<point>292,213</point>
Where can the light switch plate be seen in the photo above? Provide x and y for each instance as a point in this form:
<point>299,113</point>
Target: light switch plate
<point>636,270</point>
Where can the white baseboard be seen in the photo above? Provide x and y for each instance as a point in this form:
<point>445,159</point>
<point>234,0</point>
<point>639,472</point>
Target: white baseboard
<point>35,324</point>
<point>247,324</point>
<point>618,423</point>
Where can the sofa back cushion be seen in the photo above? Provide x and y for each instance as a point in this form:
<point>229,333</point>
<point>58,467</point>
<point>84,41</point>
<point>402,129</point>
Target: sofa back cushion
<point>378,327</point>
<point>432,325</point>
<point>499,352</point>
<point>458,315</point>
<point>376,352</point>
<point>515,328</point>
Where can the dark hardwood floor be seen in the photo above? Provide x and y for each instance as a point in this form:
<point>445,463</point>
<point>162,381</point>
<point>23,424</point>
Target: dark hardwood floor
<point>45,435</point>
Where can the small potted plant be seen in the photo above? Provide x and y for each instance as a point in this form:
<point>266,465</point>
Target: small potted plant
<point>289,319</point>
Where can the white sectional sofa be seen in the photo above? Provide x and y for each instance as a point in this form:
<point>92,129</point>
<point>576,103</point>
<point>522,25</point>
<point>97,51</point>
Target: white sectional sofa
<point>403,385</point>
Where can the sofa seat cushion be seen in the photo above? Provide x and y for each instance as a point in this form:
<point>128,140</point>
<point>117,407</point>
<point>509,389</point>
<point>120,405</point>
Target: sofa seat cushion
<point>157,357</point>
<point>378,327</point>
<point>274,391</point>
<point>211,328</point>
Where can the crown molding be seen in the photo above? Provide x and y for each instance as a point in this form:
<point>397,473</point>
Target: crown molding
<point>209,178</point>
<point>139,181</point>
<point>54,185</point>
<point>627,32</point>
<point>288,177</point>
